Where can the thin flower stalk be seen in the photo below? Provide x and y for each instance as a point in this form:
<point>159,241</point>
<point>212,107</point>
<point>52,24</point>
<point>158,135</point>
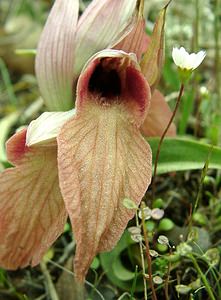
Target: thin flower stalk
<point>186,64</point>
<point>162,138</point>
<point>142,261</point>
<point>148,256</point>
<point>203,278</point>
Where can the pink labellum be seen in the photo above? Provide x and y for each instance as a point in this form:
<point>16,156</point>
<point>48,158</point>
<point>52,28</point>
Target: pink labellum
<point>158,117</point>
<point>102,156</point>
<point>32,209</point>
<point>111,73</point>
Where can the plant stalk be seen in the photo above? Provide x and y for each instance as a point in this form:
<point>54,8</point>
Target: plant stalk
<point>142,262</point>
<point>162,138</point>
<point>203,277</point>
<point>149,260</point>
<point>217,48</point>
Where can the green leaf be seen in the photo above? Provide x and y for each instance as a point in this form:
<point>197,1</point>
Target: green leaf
<point>116,271</point>
<point>179,154</point>
<point>129,204</point>
<point>95,263</point>
<point>5,126</point>
<point>31,52</point>
<point>187,106</point>
<point>170,74</point>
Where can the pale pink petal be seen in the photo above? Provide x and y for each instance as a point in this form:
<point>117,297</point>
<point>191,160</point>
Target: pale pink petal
<point>16,147</point>
<point>55,56</point>
<point>137,40</point>
<point>152,62</point>
<point>102,160</point>
<point>158,117</point>
<point>103,24</point>
<point>46,127</point>
<point>32,212</point>
<point>102,156</point>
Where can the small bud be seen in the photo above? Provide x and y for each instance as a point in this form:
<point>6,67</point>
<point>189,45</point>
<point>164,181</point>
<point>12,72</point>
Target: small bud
<point>204,91</point>
<point>128,203</point>
<point>150,225</point>
<point>136,238</point>
<point>196,284</point>
<point>146,212</point>
<point>157,213</point>
<point>165,225</point>
<point>163,240</point>
<point>183,249</point>
<point>200,218</point>
<point>162,248</point>
<point>154,253</point>
<point>183,289</point>
<point>212,256</point>
<point>134,230</point>
<point>157,280</point>
<point>158,203</point>
<point>193,235</point>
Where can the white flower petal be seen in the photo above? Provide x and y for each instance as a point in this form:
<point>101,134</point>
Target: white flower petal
<point>46,127</point>
<point>176,56</point>
<point>190,61</point>
<point>187,61</point>
<point>199,58</point>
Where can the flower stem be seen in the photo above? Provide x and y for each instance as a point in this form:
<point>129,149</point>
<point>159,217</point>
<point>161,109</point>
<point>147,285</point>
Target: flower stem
<point>162,138</point>
<point>196,27</point>
<point>166,286</point>
<point>149,261</point>
<point>217,48</point>
<point>142,262</point>
<point>203,277</point>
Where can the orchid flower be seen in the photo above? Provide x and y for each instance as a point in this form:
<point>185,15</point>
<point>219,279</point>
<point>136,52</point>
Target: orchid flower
<point>83,162</point>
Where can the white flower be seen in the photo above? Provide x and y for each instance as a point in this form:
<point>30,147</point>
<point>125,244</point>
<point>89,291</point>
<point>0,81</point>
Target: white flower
<point>187,61</point>
<point>146,212</point>
<point>157,213</point>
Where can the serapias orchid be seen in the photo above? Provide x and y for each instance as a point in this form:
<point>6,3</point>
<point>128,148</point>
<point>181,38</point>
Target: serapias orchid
<point>82,163</point>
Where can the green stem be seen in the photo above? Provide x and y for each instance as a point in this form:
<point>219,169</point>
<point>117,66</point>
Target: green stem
<point>217,49</point>
<point>203,277</point>
<point>196,29</point>
<point>149,261</point>
<point>7,82</point>
<point>166,286</point>
<point>142,262</point>
<point>162,138</point>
